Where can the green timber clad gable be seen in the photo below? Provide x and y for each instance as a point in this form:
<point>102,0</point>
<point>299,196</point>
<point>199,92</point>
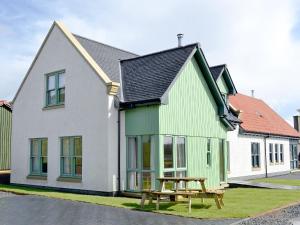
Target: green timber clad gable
<point>5,138</point>
<point>191,112</point>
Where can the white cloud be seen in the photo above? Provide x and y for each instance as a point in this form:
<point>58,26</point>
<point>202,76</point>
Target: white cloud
<point>253,37</point>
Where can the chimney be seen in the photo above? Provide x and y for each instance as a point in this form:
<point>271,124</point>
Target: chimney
<point>297,121</point>
<point>252,93</point>
<point>179,37</point>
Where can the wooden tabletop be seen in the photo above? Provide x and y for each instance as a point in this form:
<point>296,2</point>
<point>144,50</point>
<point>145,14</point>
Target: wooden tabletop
<point>181,179</point>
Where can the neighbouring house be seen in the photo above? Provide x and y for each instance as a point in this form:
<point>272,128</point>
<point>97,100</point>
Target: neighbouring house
<point>91,117</point>
<point>263,143</point>
<point>5,140</point>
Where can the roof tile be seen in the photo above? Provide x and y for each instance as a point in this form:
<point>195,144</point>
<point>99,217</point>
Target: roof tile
<point>258,117</point>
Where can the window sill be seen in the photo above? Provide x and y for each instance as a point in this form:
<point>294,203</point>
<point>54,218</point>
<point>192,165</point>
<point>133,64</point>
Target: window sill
<point>256,168</point>
<point>58,106</point>
<point>69,179</point>
<point>37,177</point>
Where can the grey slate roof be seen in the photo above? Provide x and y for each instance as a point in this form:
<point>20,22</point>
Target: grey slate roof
<point>232,118</point>
<point>106,56</point>
<point>216,71</point>
<point>149,76</point>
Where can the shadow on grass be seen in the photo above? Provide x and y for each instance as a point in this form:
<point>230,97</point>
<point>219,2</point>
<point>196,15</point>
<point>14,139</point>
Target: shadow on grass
<point>166,206</point>
<point>151,207</point>
<point>201,206</point>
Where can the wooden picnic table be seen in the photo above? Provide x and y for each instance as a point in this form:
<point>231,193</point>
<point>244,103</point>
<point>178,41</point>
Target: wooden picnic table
<point>177,181</point>
<point>187,192</point>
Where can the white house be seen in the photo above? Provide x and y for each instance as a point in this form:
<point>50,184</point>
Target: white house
<point>63,89</point>
<point>263,143</point>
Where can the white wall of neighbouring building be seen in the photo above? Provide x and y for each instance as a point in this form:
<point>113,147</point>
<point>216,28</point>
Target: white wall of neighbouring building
<point>240,155</point>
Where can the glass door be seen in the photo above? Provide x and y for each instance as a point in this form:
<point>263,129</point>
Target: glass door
<point>140,163</point>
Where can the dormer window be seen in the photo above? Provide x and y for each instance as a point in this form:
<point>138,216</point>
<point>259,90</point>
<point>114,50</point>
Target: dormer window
<point>55,94</point>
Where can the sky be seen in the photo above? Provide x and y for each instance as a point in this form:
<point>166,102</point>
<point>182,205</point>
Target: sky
<point>258,40</point>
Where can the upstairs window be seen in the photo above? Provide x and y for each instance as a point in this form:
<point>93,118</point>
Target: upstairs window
<point>55,94</point>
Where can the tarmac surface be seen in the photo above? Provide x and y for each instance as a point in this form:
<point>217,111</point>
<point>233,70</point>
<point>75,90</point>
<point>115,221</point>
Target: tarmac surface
<point>36,210</point>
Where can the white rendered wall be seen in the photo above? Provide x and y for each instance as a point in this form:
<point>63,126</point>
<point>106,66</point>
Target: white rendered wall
<point>88,112</point>
<point>240,155</point>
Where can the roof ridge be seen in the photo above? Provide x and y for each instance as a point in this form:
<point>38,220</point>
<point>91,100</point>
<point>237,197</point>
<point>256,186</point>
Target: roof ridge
<point>218,65</point>
<point>76,35</point>
<point>162,51</point>
<point>248,96</point>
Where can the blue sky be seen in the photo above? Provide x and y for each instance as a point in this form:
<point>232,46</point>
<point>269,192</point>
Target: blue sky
<point>258,40</point>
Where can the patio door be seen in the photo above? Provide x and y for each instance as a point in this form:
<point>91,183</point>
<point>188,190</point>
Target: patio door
<point>293,156</point>
<point>222,160</point>
<point>140,163</point>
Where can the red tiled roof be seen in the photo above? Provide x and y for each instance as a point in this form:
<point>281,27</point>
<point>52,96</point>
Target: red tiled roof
<point>258,117</point>
<point>5,103</point>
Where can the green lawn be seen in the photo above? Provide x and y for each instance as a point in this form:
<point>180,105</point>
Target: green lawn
<point>278,181</point>
<point>239,202</point>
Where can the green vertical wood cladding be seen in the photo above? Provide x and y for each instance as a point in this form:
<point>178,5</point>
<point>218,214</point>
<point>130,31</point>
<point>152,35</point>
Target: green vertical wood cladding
<point>222,85</point>
<point>5,138</point>
<point>142,120</point>
<point>191,112</point>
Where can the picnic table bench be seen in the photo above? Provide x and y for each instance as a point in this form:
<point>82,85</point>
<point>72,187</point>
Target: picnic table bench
<point>202,193</point>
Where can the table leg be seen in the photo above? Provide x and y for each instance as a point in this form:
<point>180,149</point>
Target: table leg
<point>190,203</point>
<point>150,199</point>
<point>203,186</point>
<point>144,196</point>
<point>221,199</point>
<point>157,202</point>
<point>217,202</point>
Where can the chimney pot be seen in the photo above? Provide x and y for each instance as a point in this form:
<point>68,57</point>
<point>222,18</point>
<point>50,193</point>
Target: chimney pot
<point>179,37</point>
<point>252,93</point>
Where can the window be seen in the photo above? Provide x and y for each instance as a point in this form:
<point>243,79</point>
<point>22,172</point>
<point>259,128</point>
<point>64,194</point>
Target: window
<point>281,153</point>
<point>141,163</point>
<point>168,152</point>
<point>148,167</point>
<point>175,161</point>
<point>271,153</point>
<point>276,153</point>
<point>255,155</point>
<point>71,157</point>
<point>181,162</point>
<point>38,156</point>
<point>55,88</point>
<point>132,165</point>
<point>208,152</point>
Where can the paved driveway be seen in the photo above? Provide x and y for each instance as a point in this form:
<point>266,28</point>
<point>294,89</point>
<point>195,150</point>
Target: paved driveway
<point>290,176</point>
<point>35,210</point>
